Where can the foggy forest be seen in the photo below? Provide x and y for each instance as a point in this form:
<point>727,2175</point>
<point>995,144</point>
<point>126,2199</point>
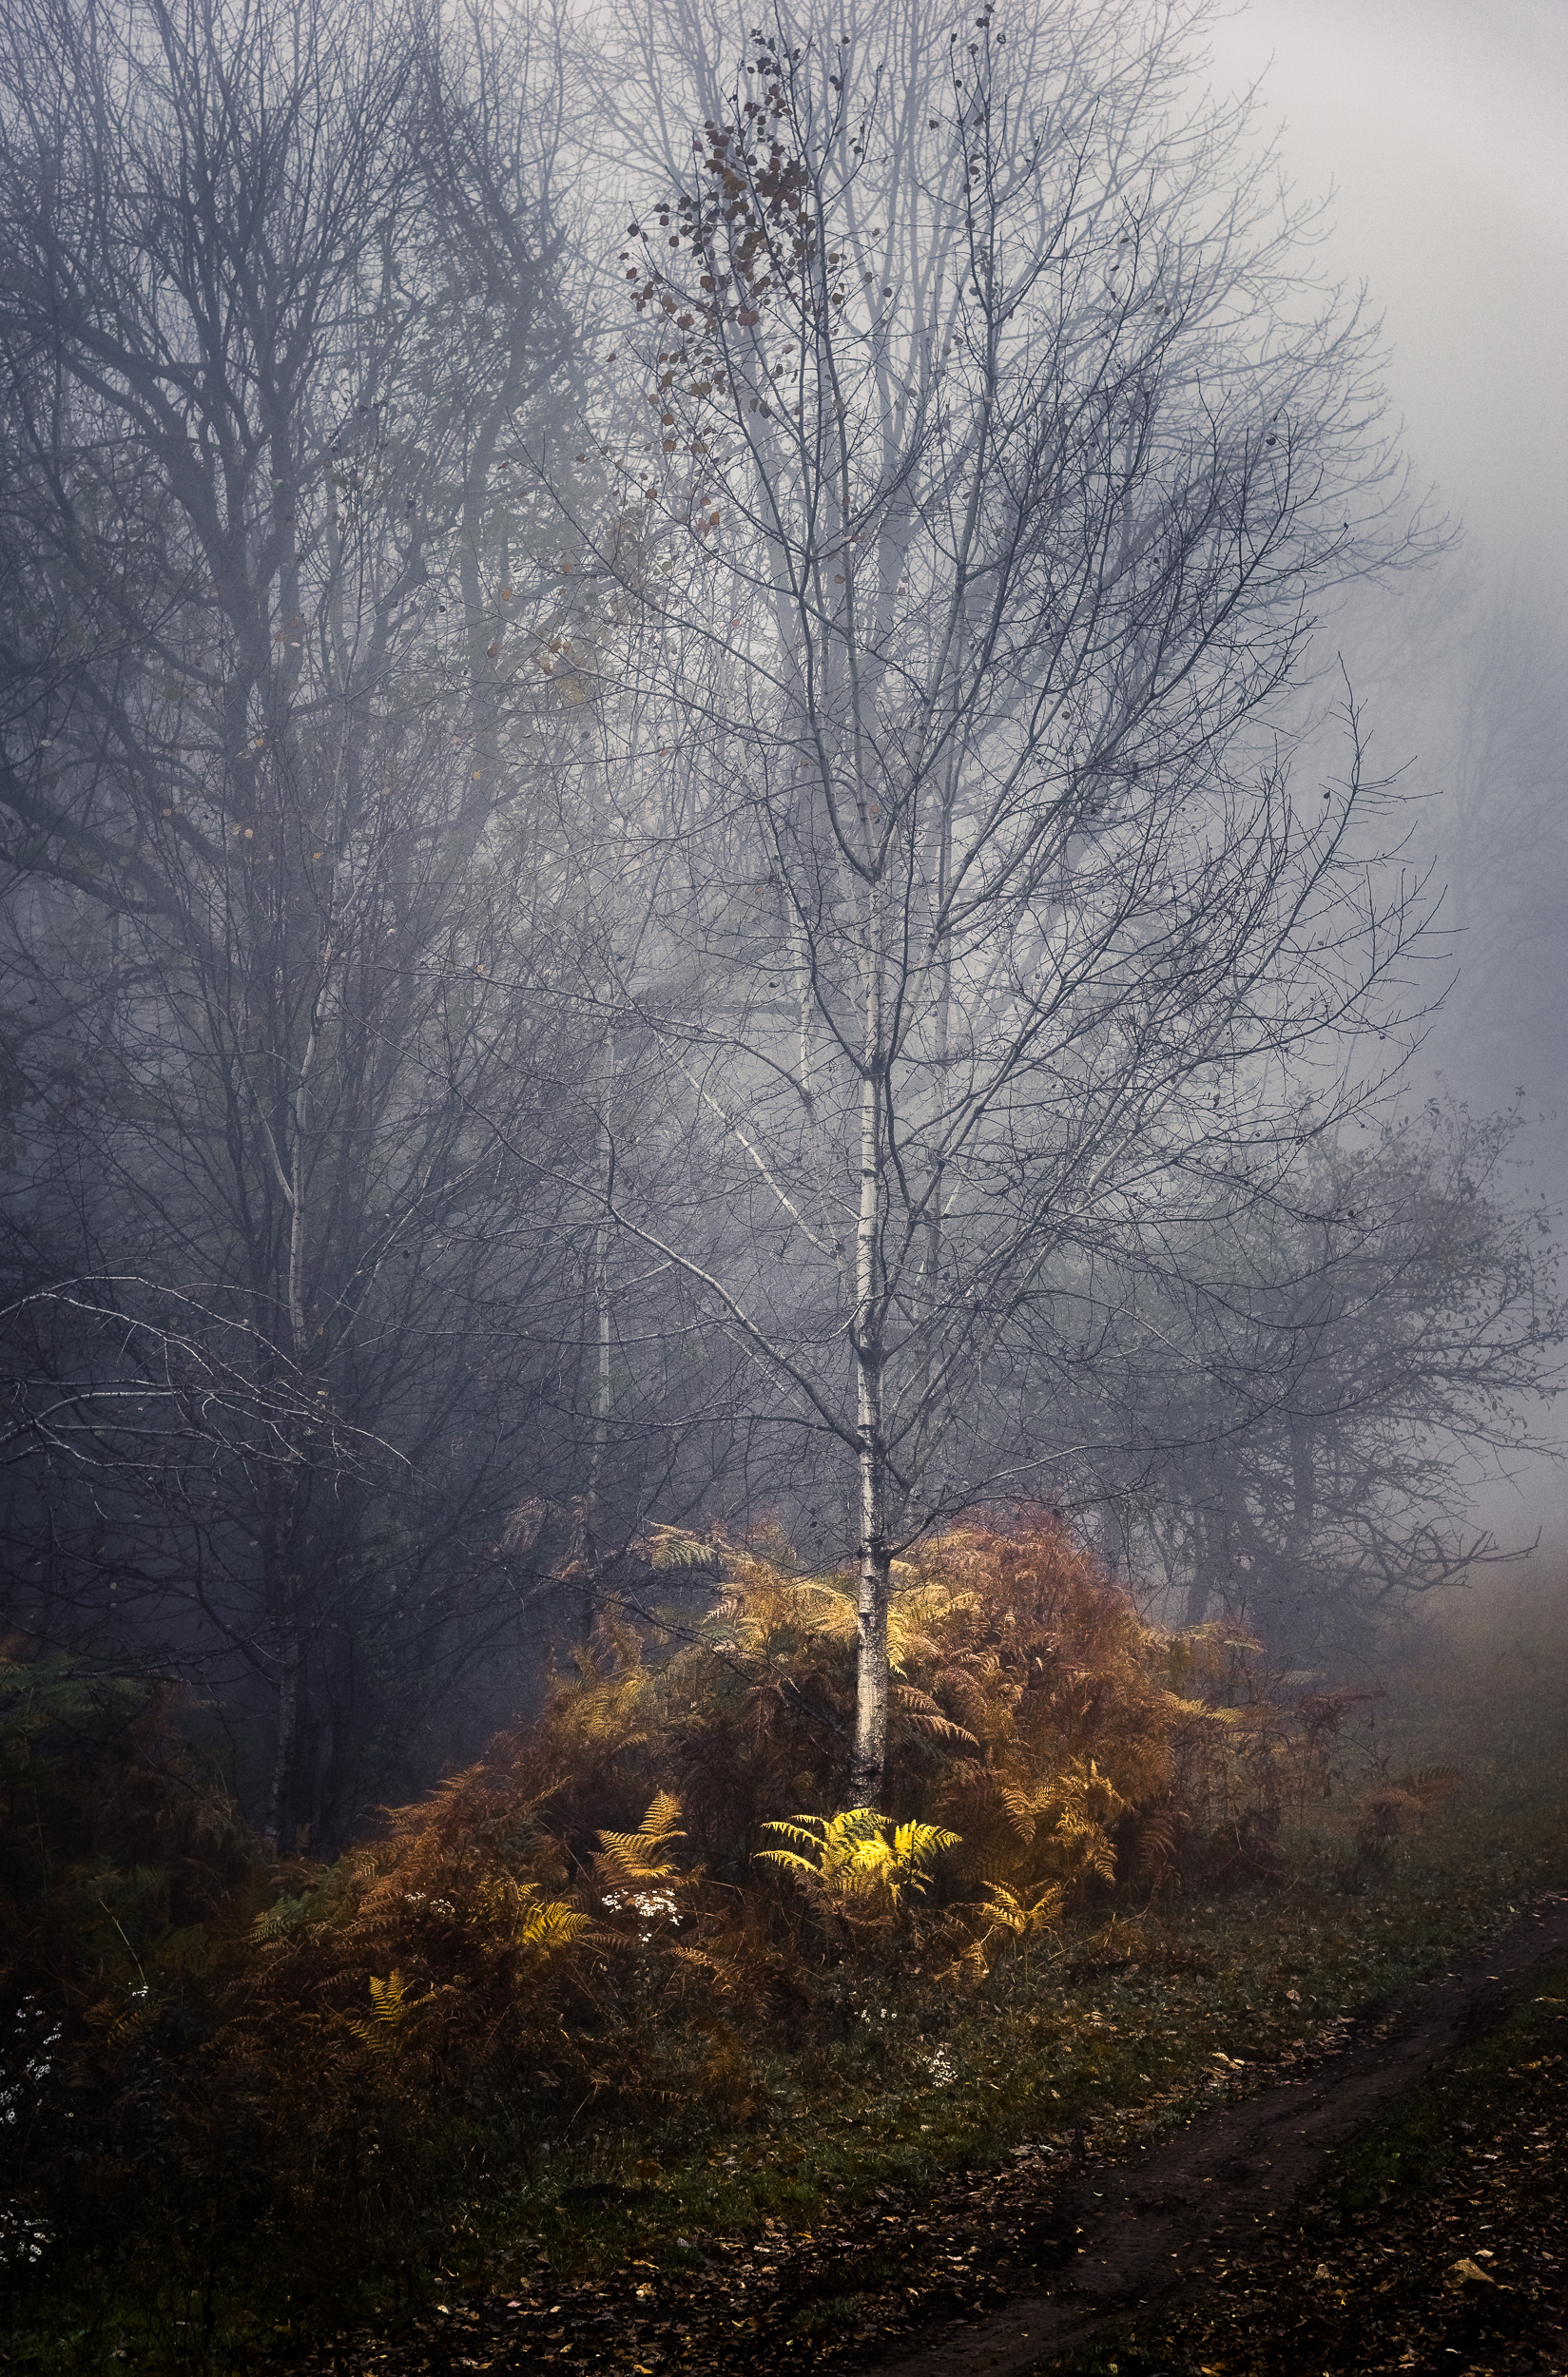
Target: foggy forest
<point>783,917</point>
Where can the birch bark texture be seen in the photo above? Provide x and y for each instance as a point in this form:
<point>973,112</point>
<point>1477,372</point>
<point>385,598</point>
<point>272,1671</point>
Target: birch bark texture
<point>1000,454</point>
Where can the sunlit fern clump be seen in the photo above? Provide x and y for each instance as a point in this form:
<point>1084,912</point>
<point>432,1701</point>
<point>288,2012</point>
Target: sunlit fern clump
<point>1034,1714</point>
<point>626,1841</point>
<point>856,1864</point>
<point>1069,1748</point>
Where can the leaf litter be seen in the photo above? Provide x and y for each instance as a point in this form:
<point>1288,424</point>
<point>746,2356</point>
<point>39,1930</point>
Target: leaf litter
<point>1346,2219</point>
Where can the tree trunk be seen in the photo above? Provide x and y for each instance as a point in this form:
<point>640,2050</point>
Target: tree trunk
<point>290,1674</point>
<point>592,1558</point>
<point>868,1755</point>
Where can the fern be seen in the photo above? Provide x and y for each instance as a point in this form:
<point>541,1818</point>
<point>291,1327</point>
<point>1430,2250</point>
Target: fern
<point>1088,1801</point>
<point>1008,1919</point>
<point>390,2006</point>
<point>859,1857</point>
<point>919,1613</point>
<point>275,1922</point>
<point>675,1547</point>
<point>548,1928</point>
<point>633,1872</point>
<point>1025,1917</point>
<point>128,2024</point>
<point>632,1861</point>
<point>922,1715</point>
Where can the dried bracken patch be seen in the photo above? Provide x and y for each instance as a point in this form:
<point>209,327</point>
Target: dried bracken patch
<point>570,1995</point>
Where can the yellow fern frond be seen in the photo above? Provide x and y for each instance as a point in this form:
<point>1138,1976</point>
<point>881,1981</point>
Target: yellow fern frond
<point>675,1547</point>
<point>549,1927</point>
<point>916,1849</point>
<point>631,1860</point>
<point>914,1619</point>
<point>851,1856</point>
<point>1011,1912</point>
<point>660,1821</point>
<point>390,2006</point>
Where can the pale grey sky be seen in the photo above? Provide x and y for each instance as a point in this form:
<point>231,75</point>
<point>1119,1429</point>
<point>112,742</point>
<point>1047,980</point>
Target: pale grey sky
<point>1444,126</point>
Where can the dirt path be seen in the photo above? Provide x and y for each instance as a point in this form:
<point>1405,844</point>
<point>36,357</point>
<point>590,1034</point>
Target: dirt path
<point>1128,2236</point>
<point>1004,2268</point>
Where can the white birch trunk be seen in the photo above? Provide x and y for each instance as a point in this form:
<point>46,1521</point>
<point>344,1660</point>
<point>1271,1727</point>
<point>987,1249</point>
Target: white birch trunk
<point>868,1753</point>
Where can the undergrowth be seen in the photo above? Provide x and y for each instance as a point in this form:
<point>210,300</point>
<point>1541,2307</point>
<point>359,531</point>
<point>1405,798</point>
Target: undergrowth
<point>567,2012</point>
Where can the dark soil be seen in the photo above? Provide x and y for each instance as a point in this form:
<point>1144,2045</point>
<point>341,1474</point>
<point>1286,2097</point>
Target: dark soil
<point>1238,2243</point>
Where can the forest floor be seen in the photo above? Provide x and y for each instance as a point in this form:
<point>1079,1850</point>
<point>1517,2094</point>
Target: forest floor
<point>1399,2202</point>
<point>1313,2122</point>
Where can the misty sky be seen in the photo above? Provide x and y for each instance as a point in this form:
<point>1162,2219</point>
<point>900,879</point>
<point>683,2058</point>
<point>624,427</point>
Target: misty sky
<point>1441,124</point>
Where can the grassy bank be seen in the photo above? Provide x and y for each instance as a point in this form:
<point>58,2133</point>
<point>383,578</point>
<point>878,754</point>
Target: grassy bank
<point>901,2083</point>
<point>1123,2025</point>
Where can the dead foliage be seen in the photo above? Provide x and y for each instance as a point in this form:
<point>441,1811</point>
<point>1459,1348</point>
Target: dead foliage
<point>607,1916</point>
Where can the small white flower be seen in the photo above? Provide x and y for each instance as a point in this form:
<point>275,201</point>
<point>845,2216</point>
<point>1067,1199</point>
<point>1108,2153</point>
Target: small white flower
<point>22,2240</point>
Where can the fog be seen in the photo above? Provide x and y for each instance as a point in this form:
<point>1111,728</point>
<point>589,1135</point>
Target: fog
<point>1439,129</point>
<point>1436,134</point>
<point>504,883</point>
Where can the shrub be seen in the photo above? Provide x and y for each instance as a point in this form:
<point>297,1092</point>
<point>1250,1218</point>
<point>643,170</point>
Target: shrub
<point>298,2060</point>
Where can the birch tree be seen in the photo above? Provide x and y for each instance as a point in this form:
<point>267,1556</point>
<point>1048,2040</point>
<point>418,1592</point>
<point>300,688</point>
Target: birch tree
<point>1001,452</point>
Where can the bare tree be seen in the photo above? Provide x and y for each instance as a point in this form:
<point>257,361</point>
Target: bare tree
<point>281,294</point>
<point>999,451</point>
<point>1305,1401</point>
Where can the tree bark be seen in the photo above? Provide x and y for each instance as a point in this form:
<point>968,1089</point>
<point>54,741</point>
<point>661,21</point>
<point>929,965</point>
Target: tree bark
<point>868,1754</point>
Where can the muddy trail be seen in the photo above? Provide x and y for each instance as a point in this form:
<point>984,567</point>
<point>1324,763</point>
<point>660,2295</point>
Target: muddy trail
<point>1201,2251</point>
<point>1212,2207</point>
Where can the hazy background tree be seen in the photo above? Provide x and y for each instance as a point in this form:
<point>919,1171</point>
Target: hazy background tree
<point>1306,1402</point>
<point>279,299</point>
<point>1505,842</point>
